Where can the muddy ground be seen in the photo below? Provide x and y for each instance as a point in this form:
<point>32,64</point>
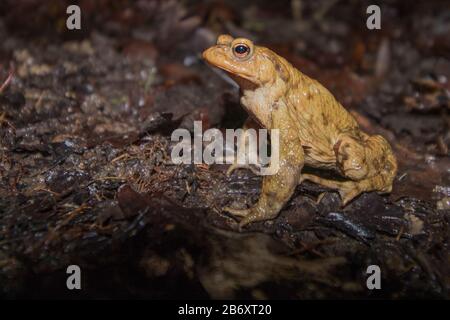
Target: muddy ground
<point>86,176</point>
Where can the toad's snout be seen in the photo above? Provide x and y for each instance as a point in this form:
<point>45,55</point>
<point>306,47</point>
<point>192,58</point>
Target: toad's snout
<point>208,54</point>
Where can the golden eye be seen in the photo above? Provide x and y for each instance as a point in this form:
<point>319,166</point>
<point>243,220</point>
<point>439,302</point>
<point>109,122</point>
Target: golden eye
<point>241,50</point>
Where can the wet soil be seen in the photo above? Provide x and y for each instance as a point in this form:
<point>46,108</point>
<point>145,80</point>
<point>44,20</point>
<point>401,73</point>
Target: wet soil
<point>86,176</point>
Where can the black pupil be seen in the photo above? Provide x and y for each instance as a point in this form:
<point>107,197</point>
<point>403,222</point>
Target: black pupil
<point>241,49</point>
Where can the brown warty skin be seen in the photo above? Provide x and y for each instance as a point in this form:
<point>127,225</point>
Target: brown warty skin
<point>315,129</point>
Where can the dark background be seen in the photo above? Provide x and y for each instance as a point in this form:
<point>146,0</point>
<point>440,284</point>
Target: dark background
<point>85,176</point>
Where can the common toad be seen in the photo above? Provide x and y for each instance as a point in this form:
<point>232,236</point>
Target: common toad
<point>315,130</point>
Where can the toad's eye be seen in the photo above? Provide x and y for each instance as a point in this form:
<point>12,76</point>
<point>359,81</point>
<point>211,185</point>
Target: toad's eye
<point>241,50</point>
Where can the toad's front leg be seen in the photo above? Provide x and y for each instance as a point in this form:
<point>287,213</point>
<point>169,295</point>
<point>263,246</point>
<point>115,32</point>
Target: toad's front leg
<point>276,188</point>
<point>246,150</point>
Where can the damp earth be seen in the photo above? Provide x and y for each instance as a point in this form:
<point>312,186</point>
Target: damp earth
<point>85,171</point>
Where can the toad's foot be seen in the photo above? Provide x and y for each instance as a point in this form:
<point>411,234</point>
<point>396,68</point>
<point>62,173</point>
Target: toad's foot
<point>237,212</point>
<point>348,190</point>
<point>236,166</point>
<point>250,215</point>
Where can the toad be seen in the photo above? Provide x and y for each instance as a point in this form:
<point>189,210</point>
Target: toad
<point>315,130</point>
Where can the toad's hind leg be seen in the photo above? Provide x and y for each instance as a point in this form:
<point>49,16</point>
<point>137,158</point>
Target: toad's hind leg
<point>348,190</point>
<point>368,163</point>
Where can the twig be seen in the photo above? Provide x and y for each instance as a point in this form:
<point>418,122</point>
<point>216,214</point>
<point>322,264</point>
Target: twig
<point>39,101</point>
<point>7,81</point>
<point>3,120</point>
<point>400,233</point>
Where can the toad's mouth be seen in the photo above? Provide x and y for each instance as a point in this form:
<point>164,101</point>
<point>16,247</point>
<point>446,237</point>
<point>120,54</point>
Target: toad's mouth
<point>245,83</point>
<point>244,80</point>
<point>233,73</point>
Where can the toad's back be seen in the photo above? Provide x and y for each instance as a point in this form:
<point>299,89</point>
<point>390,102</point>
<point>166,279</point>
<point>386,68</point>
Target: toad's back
<point>320,120</point>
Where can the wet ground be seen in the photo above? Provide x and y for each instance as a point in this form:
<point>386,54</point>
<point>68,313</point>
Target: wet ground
<point>86,176</point>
